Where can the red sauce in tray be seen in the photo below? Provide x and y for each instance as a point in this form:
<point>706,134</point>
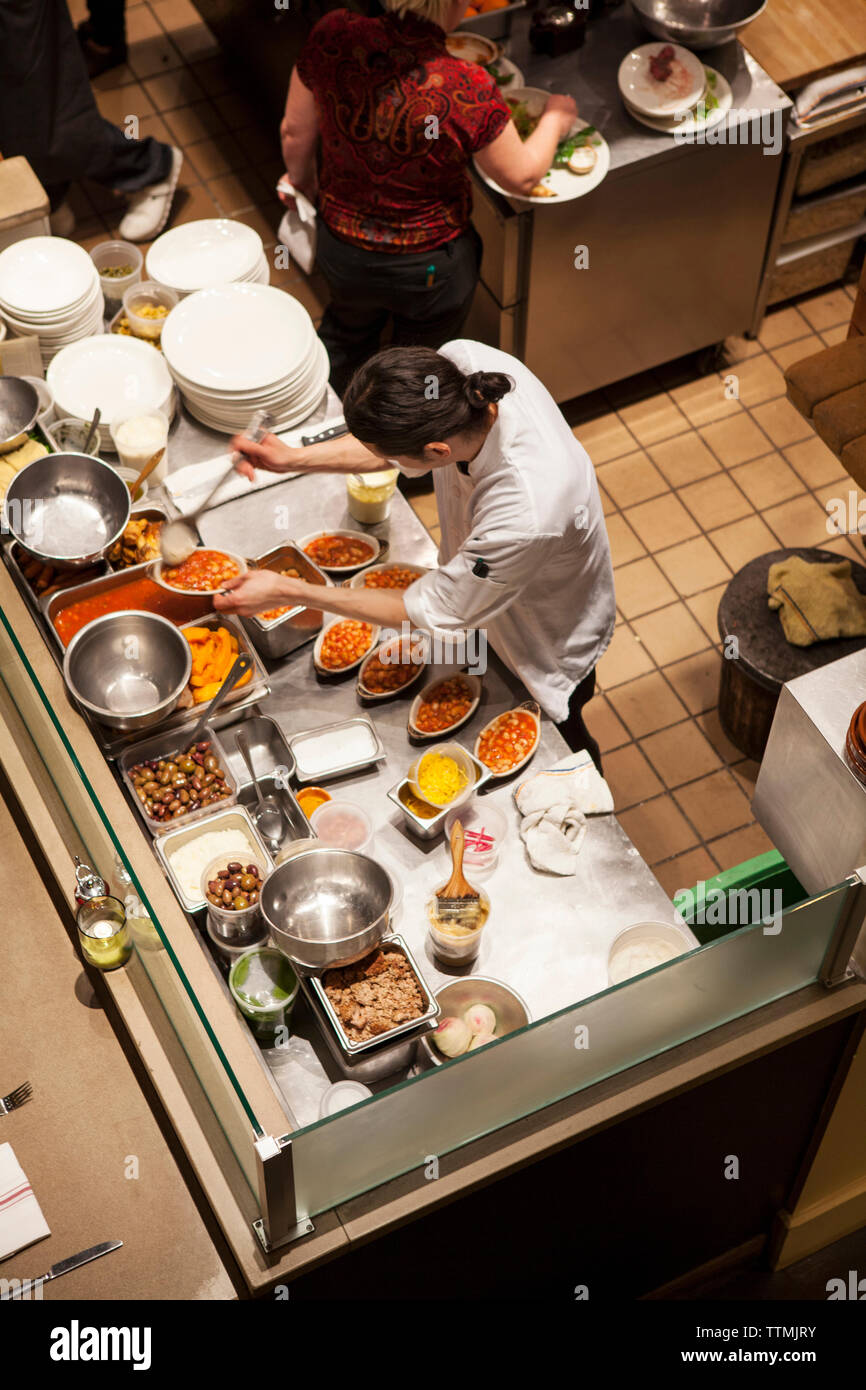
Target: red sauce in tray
<point>140,593</point>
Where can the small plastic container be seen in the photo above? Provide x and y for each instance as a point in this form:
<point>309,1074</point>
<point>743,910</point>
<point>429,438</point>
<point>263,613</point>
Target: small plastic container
<point>368,495</point>
<point>147,295</point>
<point>484,829</point>
<point>458,753</point>
<point>129,476</point>
<point>117,255</point>
<point>311,798</point>
<point>136,435</point>
<point>70,435</point>
<point>643,947</point>
<point>340,1096</point>
<point>451,943</point>
<point>235,926</point>
<point>343,825</point>
<point>264,987</point>
<point>226,951</point>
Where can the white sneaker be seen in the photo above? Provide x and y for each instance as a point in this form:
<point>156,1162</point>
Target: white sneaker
<point>148,208</point>
<point>62,221</point>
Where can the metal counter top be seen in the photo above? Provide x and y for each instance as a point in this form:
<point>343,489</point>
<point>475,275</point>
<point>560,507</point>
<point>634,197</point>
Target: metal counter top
<point>547,936</point>
<point>590,75</point>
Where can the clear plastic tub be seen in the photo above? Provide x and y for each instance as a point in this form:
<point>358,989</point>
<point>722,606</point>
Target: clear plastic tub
<point>484,829</point>
<point>644,946</point>
<point>167,745</point>
<point>341,1095</point>
<point>147,295</point>
<point>343,825</point>
<point>235,925</point>
<point>450,941</point>
<point>137,435</point>
<point>264,987</point>
<point>368,495</point>
<point>116,255</point>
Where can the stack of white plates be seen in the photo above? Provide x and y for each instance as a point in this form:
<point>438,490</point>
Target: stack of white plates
<point>666,100</point>
<point>116,373</point>
<point>50,287</point>
<point>236,349</point>
<point>199,255</point>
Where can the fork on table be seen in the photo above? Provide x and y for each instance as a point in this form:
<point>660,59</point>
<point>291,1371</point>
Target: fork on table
<point>19,1096</point>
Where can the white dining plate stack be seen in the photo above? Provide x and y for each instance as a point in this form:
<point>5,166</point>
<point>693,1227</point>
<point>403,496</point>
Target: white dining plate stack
<point>49,287</point>
<point>692,97</point>
<point>116,373</point>
<point>212,251</point>
<point>236,349</point>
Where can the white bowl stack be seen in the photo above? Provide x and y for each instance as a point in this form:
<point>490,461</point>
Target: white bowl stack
<point>239,348</point>
<point>212,251</point>
<point>50,287</point>
<point>116,373</point>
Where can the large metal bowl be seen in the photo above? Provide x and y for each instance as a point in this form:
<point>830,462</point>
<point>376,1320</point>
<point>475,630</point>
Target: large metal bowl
<point>66,510</point>
<point>327,907</point>
<point>128,669</point>
<point>19,406</point>
<point>697,23</point>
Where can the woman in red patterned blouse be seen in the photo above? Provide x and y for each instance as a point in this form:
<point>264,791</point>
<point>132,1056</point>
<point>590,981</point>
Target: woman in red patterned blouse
<point>380,125</point>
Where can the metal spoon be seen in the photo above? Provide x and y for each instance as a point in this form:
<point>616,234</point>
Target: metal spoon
<point>178,539</point>
<point>239,667</point>
<point>94,425</point>
<point>268,815</point>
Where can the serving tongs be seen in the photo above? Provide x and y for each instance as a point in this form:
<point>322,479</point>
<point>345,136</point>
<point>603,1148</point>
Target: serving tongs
<point>178,539</point>
<point>239,667</point>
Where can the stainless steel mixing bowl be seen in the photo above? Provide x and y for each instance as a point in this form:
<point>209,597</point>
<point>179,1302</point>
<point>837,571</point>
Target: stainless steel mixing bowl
<point>128,669</point>
<point>66,509</point>
<point>697,23</point>
<point>455,998</point>
<point>19,406</point>
<point>327,907</point>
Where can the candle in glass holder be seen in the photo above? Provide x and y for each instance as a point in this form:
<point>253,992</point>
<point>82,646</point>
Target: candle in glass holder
<point>103,933</point>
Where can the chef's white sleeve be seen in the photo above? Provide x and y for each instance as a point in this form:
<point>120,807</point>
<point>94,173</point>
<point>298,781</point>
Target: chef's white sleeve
<point>483,579</point>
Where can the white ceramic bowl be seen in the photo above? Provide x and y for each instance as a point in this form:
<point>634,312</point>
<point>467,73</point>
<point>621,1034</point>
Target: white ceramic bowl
<point>369,694</point>
<point>342,570</point>
<point>155,572</point>
<point>530,708</point>
<point>474,684</point>
<point>340,670</point>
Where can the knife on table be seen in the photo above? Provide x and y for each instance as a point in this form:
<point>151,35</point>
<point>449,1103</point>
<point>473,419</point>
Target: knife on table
<point>64,1267</point>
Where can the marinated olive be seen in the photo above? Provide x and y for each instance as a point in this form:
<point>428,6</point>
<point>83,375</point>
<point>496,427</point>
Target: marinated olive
<point>240,902</point>
<point>234,867</point>
<point>247,882</point>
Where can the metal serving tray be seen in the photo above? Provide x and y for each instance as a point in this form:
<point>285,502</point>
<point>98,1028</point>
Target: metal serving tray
<point>303,775</point>
<point>424,1023</point>
<point>301,624</point>
<point>114,579</point>
<point>274,765</point>
<point>35,601</point>
<point>154,511</point>
<point>172,741</point>
<point>434,825</point>
<point>111,741</point>
<point>384,1061</point>
<point>225,818</point>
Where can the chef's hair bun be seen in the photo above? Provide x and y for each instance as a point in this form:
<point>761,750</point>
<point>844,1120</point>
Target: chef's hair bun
<point>484,388</point>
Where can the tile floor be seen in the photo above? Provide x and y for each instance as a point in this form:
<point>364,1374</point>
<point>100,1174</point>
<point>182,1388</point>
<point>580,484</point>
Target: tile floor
<point>699,471</point>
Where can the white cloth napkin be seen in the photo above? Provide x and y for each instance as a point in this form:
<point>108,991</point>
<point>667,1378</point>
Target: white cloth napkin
<point>830,95</point>
<point>21,1219</point>
<point>189,486</point>
<point>554,805</point>
<point>297,230</point>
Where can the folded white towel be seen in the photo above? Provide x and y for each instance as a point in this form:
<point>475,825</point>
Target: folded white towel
<point>189,486</point>
<point>554,805</point>
<point>21,1219</point>
<point>829,94</point>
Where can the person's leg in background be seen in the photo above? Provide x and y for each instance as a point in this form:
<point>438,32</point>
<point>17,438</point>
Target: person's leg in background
<point>573,728</point>
<point>352,324</point>
<point>66,138</point>
<point>103,35</point>
<point>436,292</point>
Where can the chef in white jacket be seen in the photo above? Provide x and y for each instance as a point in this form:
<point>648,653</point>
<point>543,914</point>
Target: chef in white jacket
<point>524,555</point>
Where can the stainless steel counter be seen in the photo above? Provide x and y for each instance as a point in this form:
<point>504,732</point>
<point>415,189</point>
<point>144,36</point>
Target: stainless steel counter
<point>676,234</point>
<point>548,937</point>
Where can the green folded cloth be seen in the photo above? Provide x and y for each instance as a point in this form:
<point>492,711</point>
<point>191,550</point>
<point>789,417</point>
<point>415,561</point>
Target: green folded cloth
<point>817,602</point>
